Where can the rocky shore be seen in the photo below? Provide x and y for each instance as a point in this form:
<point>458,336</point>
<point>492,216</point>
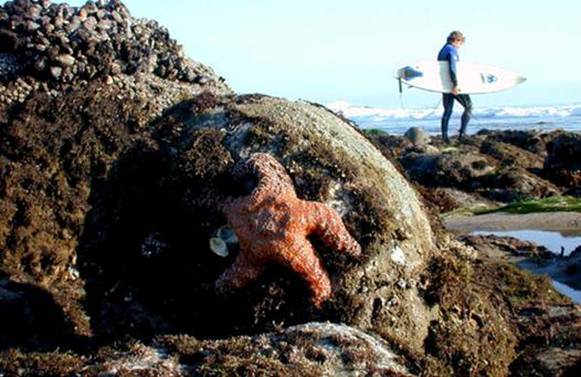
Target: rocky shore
<point>116,152</point>
<point>489,167</point>
<point>47,47</point>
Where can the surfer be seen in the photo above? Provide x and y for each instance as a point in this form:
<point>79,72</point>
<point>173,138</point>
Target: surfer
<point>449,53</point>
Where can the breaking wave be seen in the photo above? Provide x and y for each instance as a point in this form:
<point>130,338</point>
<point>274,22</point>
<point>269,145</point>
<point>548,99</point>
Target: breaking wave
<point>371,114</point>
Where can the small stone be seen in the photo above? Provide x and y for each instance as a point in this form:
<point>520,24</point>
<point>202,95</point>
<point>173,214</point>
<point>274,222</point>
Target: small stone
<point>117,17</point>
<point>418,136</point>
<point>53,52</point>
<point>40,64</point>
<point>90,8</point>
<point>74,25</point>
<point>58,22</point>
<point>65,60</point>
<point>56,72</point>
<point>115,68</point>
<point>32,26</point>
<point>90,23</point>
<point>101,14</point>
<point>402,284</point>
<point>64,41</point>
<point>48,28</point>
<point>82,14</point>
<point>189,76</point>
<point>202,80</point>
<point>34,12</point>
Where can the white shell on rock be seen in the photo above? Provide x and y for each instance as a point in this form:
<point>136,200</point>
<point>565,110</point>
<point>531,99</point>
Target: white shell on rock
<point>398,256</point>
<point>218,246</point>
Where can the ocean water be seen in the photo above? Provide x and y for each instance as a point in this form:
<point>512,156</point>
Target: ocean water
<point>398,120</point>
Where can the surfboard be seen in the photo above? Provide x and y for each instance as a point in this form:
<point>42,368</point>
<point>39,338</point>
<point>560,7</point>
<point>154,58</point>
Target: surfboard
<point>434,76</point>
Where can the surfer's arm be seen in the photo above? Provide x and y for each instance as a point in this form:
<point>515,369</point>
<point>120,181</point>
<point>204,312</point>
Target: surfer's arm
<point>452,67</point>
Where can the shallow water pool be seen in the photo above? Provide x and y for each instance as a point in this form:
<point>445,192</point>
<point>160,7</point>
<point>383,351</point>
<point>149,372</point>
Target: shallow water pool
<point>553,241</point>
<point>564,289</point>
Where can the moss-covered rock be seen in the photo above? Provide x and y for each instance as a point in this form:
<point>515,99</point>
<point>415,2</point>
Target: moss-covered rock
<point>512,156</point>
<point>563,162</point>
<point>331,162</point>
<point>134,205</point>
<point>495,166</point>
<point>313,349</point>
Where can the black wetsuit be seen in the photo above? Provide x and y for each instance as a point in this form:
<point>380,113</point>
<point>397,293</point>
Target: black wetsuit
<point>449,54</point>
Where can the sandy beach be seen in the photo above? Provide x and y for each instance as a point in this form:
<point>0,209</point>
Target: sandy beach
<point>563,222</point>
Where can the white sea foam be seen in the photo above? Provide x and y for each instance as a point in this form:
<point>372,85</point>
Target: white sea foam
<point>370,114</point>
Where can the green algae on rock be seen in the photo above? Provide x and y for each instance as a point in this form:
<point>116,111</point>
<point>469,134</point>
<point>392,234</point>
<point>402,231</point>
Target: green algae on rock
<point>330,162</point>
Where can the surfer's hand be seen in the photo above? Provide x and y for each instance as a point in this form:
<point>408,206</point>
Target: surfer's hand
<point>455,90</point>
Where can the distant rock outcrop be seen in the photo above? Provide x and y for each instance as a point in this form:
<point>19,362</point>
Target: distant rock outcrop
<point>503,166</point>
<point>563,163</point>
<point>46,47</point>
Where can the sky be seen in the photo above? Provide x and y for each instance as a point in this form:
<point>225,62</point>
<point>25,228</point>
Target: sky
<point>330,50</point>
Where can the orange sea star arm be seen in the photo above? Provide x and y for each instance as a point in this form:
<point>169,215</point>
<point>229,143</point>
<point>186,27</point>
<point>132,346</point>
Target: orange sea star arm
<point>239,274</point>
<point>272,177</point>
<point>303,260</point>
<point>328,225</point>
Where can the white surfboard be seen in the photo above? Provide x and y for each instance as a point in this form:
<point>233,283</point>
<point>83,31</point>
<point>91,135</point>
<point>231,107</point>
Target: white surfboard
<point>472,78</point>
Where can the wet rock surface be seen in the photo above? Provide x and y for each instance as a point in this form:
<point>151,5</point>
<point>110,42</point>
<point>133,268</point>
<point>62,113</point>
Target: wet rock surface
<point>108,202</point>
<point>498,166</point>
<point>102,212</point>
<point>563,163</point>
<point>312,349</point>
<point>509,247</point>
<point>111,221</point>
<point>565,269</point>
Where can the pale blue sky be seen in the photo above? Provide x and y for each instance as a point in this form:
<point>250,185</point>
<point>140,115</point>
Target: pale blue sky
<point>331,50</point>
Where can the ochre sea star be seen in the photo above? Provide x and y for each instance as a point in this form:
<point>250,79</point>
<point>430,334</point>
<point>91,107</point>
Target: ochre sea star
<point>272,226</point>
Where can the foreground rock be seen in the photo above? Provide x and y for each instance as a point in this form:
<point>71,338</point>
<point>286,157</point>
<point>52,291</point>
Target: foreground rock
<point>313,349</point>
<point>120,243</point>
<point>329,162</point>
<point>90,214</point>
<point>556,325</point>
